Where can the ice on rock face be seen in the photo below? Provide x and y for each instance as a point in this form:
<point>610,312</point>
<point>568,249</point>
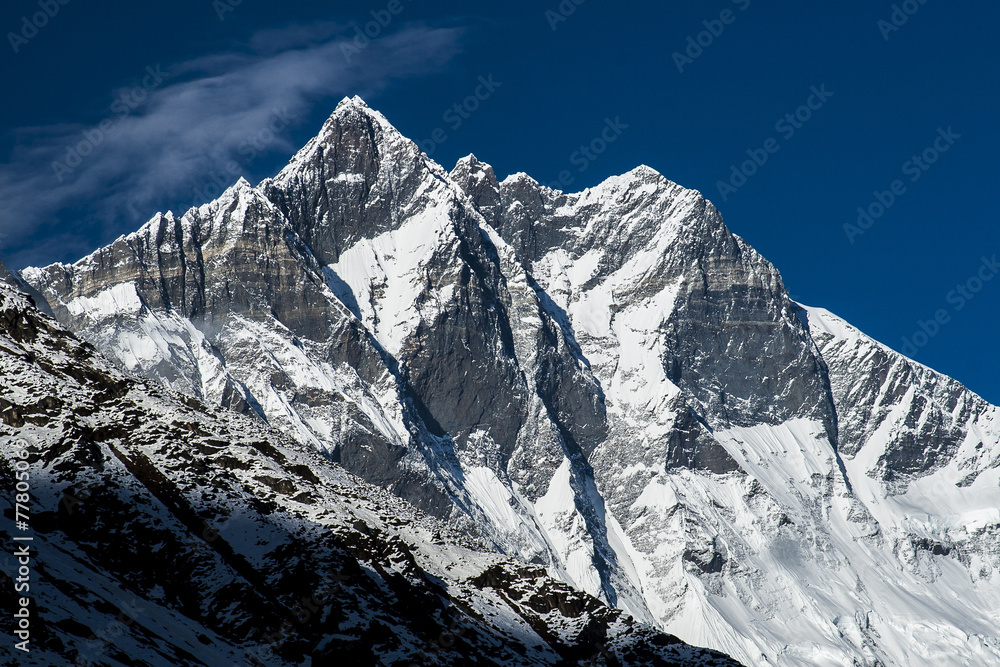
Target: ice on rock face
<point>608,383</point>
<point>117,300</point>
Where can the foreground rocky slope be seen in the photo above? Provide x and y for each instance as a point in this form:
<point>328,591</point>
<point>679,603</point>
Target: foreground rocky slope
<point>609,384</point>
<point>167,532</point>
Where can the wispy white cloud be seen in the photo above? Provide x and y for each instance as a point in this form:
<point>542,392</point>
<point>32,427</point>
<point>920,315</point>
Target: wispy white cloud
<point>204,114</point>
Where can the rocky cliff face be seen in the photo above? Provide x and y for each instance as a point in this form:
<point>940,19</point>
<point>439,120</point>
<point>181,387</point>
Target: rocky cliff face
<point>227,303</point>
<point>168,532</point>
<point>609,384</point>
<point>924,416</point>
<point>638,236</point>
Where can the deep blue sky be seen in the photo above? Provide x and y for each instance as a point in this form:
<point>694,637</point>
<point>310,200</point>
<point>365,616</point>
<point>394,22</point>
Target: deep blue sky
<point>606,60</point>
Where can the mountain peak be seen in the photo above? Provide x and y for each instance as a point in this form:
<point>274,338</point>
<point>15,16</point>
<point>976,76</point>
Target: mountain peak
<point>353,130</point>
<point>240,193</point>
<point>479,181</point>
<point>641,176</point>
<point>520,177</point>
<point>354,101</point>
<point>470,161</point>
<point>356,177</point>
<point>355,110</point>
<point>645,171</point>
<point>470,170</point>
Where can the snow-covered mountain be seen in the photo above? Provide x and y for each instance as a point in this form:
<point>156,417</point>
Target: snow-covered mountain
<point>608,384</point>
<point>168,532</point>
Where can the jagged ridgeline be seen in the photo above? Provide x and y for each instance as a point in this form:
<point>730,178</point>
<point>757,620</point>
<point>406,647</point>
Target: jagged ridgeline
<point>608,384</point>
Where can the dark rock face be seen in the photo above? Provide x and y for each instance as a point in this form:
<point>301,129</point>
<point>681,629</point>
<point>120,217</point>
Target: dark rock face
<point>479,181</point>
<point>357,179</point>
<point>574,402</point>
<point>690,447</point>
<point>462,364</point>
<point>926,414</point>
<point>731,305</point>
<point>519,209</point>
<point>734,307</point>
<point>232,257</point>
